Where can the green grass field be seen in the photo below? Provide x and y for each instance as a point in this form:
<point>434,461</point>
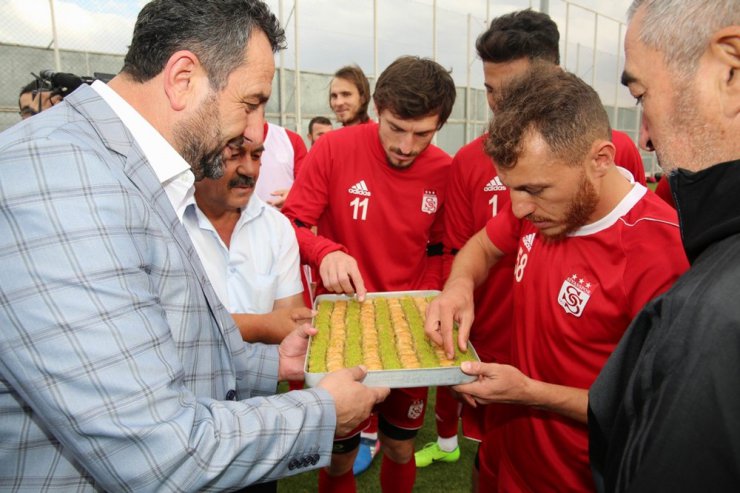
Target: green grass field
<point>439,477</point>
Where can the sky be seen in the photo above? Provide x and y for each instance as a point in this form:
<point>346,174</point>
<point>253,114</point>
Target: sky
<point>333,33</point>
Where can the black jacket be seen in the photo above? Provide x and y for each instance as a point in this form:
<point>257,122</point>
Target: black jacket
<point>664,414</point>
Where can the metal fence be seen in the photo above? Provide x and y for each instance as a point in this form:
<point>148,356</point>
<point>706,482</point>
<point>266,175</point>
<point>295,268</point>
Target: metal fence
<point>87,36</point>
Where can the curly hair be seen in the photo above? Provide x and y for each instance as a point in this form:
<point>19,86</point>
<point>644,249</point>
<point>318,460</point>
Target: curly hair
<point>559,106</point>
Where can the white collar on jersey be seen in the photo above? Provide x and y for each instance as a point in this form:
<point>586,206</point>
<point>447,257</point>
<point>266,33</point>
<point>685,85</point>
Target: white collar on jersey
<point>623,207</point>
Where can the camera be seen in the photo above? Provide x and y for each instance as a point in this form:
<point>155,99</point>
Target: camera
<point>61,83</point>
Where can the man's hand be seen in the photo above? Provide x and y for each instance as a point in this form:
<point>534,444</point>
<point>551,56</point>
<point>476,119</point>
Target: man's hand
<point>454,304</point>
<point>506,384</point>
<point>495,383</point>
<point>292,352</point>
<point>340,274</point>
<point>281,196</point>
<point>353,400</point>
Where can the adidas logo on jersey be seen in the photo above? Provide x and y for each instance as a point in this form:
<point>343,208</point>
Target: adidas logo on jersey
<point>494,185</point>
<point>360,188</point>
<point>528,240</point>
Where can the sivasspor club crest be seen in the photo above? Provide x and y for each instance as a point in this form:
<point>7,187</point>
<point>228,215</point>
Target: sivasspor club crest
<point>429,202</point>
<point>574,294</point>
<point>415,409</point>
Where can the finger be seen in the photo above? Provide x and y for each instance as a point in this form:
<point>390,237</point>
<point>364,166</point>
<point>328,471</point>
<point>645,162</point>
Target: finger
<point>358,372</point>
<point>472,368</point>
<point>359,284</point>
<point>446,315</point>
<point>431,325</point>
<point>380,393</point>
<point>467,399</point>
<point>345,283</point>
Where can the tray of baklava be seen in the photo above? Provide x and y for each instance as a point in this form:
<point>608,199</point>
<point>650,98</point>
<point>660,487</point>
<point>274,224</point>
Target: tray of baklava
<point>385,333</point>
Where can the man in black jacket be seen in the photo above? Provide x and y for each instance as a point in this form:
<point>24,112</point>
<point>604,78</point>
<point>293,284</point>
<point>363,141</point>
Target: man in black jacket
<point>664,412</point>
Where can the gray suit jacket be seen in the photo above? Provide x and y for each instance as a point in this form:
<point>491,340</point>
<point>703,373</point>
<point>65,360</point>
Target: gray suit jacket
<point>119,368</point>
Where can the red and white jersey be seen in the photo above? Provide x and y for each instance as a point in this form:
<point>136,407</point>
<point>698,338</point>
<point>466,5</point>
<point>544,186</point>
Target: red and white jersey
<point>573,300</point>
<point>384,217</point>
<point>281,161</point>
<point>475,194</point>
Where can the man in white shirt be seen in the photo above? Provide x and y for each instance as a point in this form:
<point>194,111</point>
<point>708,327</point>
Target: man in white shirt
<point>249,250</point>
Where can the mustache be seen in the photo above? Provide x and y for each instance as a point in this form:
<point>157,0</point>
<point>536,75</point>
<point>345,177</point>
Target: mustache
<point>396,150</point>
<point>243,181</point>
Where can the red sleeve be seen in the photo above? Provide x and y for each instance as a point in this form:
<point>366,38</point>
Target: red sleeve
<point>504,229</point>
<point>306,203</point>
<point>663,190</point>
<point>459,219</point>
<point>299,150</point>
<point>628,156</point>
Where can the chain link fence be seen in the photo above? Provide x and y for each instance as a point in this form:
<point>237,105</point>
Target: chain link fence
<point>85,37</point>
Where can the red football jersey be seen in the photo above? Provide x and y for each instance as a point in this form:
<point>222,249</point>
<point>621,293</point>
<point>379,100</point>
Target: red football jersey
<point>384,217</point>
<point>573,300</point>
<point>475,194</point>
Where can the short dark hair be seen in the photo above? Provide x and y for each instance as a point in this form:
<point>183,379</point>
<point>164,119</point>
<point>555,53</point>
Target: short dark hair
<point>521,34</point>
<point>34,85</point>
<point>216,31</point>
<point>414,87</point>
<point>356,76</point>
<point>321,120</point>
<point>556,104</point>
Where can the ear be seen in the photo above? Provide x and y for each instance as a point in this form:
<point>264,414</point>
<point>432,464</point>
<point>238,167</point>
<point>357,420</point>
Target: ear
<point>181,78</point>
<point>602,157</point>
<point>725,49</point>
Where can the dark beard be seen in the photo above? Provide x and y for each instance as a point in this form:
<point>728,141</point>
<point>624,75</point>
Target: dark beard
<point>200,141</point>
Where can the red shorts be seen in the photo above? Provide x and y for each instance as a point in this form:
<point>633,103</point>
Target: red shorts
<point>403,408</point>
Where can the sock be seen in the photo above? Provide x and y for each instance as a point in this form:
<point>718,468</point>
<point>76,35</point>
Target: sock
<point>447,444</point>
<point>447,413</point>
<point>295,385</point>
<point>372,426</point>
<point>344,483</point>
<point>397,478</point>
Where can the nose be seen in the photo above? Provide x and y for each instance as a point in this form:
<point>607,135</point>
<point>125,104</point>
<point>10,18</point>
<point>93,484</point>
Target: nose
<point>521,204</point>
<point>645,142</point>
<point>406,143</point>
<point>254,132</point>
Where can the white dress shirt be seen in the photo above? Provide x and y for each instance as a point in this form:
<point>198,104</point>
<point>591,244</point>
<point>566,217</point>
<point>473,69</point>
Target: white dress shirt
<point>262,263</point>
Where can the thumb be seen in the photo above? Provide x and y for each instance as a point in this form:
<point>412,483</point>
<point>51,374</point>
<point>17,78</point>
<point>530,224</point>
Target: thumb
<point>472,368</point>
<point>358,372</point>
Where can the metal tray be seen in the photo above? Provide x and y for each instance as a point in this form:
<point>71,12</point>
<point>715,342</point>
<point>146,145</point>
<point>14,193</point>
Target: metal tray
<point>400,378</point>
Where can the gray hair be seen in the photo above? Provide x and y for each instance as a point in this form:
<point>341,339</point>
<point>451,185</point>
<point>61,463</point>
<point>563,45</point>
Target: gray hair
<point>680,29</point>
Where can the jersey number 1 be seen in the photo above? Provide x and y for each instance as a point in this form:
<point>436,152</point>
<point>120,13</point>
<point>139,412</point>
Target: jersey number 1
<point>358,204</point>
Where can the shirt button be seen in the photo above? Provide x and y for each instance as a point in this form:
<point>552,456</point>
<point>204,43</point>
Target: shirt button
<point>231,395</point>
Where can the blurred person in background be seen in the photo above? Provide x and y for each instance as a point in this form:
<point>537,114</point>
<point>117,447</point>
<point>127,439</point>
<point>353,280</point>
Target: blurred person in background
<point>592,247</point>
<point>318,126</point>
<point>362,180</point>
<point>663,412</point>
<point>121,370</point>
<point>34,98</point>
<point>281,161</point>
<point>349,96</point>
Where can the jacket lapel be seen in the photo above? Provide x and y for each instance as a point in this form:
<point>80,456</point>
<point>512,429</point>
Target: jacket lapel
<point>138,171</point>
